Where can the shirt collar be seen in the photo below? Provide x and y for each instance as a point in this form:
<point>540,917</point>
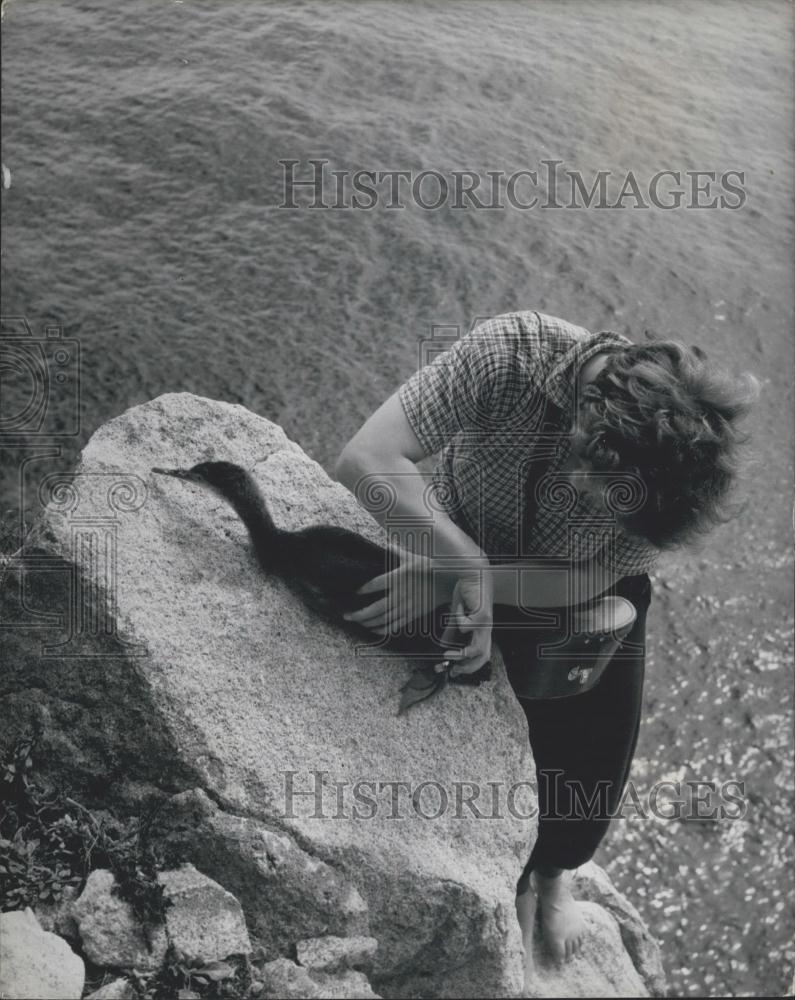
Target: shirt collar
<point>561,383</point>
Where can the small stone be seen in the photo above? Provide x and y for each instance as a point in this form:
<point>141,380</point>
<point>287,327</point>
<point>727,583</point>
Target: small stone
<point>284,980</point>
<point>111,934</point>
<point>592,883</point>
<point>348,985</point>
<point>354,907</point>
<point>35,963</point>
<point>205,922</point>
<point>330,953</point>
<point>118,989</point>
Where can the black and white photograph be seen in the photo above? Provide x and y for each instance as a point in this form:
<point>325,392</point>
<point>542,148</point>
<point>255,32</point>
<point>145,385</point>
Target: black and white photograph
<point>397,503</point>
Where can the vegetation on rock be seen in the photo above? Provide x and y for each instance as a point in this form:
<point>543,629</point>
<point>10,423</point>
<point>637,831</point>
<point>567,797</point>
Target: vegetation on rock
<point>50,842</point>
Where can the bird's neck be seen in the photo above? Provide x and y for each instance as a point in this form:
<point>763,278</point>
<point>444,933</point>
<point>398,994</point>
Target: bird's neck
<point>251,508</point>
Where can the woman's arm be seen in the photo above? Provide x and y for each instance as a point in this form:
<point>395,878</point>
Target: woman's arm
<point>387,449</point>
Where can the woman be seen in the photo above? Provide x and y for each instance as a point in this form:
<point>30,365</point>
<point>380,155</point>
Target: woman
<point>524,403</point>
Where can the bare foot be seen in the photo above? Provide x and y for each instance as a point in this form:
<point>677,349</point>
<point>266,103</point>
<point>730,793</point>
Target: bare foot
<point>526,914</point>
<point>562,922</point>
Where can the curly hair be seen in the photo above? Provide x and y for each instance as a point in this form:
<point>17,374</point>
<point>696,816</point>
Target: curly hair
<point>665,412</point>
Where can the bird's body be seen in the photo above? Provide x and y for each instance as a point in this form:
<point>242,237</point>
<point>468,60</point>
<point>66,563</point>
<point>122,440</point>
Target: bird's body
<point>324,563</point>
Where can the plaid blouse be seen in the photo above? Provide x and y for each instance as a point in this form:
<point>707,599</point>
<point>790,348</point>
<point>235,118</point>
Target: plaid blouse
<point>499,404</point>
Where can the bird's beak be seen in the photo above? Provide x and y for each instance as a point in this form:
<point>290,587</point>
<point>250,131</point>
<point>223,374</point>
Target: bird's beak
<point>176,473</point>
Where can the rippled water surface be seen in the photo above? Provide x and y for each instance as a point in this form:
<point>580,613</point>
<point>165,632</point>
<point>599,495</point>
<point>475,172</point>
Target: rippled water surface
<point>143,141</point>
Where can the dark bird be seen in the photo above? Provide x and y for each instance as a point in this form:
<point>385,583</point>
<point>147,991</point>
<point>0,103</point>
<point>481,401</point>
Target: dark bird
<point>325,564</point>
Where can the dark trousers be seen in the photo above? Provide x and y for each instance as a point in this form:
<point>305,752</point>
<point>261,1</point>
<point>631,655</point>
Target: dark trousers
<point>583,747</point>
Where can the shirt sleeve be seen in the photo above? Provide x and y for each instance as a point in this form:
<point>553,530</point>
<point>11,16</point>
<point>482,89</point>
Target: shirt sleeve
<point>469,388</point>
<point>627,556</point>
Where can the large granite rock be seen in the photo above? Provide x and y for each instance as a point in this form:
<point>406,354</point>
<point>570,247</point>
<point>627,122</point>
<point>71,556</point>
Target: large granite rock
<point>35,963</point>
<point>181,672</point>
<point>188,667</point>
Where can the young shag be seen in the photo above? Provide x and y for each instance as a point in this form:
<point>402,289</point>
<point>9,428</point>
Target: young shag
<point>324,563</point>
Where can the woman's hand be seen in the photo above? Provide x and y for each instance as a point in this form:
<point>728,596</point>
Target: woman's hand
<point>472,614</point>
<point>413,589</point>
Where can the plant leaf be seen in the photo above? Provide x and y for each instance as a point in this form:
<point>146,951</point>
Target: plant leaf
<point>424,682</point>
<point>216,971</point>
